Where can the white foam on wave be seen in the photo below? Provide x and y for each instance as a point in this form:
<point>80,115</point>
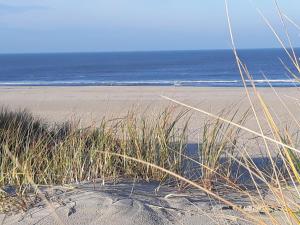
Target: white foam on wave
<point>145,82</point>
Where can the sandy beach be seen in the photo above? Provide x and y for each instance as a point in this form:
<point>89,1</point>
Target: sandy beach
<point>90,104</point>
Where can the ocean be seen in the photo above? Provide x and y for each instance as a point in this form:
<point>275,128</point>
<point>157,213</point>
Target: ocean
<point>209,68</point>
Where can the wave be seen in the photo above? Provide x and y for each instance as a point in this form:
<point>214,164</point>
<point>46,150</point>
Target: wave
<point>276,82</point>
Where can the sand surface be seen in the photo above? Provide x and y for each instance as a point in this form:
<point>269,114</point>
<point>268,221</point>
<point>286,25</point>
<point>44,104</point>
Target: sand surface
<point>127,203</point>
<point>92,103</point>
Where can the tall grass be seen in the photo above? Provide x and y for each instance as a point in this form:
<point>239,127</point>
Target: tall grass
<point>33,152</point>
<point>218,140</point>
<point>65,153</point>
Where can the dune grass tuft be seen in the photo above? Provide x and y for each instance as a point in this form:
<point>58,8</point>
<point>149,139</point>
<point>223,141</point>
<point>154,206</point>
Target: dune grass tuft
<point>65,153</point>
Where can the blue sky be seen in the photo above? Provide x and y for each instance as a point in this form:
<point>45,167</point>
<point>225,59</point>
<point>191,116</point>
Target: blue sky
<point>137,25</point>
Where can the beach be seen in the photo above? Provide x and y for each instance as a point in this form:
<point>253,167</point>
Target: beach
<point>90,104</point>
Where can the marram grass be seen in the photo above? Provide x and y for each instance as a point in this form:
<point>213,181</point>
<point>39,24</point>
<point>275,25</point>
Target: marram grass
<point>65,153</point>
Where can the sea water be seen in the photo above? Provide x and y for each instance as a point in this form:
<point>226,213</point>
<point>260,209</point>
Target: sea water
<point>211,68</point>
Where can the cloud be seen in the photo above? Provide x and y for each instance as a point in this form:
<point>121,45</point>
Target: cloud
<point>8,8</point>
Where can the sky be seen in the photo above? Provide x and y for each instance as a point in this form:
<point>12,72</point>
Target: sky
<point>34,26</point>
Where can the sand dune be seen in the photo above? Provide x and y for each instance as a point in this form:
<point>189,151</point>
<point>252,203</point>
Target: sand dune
<point>130,203</point>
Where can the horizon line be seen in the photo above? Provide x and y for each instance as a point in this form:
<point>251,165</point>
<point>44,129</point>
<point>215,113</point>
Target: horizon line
<point>140,51</point>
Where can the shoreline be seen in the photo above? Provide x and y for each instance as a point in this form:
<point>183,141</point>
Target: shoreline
<point>144,86</point>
